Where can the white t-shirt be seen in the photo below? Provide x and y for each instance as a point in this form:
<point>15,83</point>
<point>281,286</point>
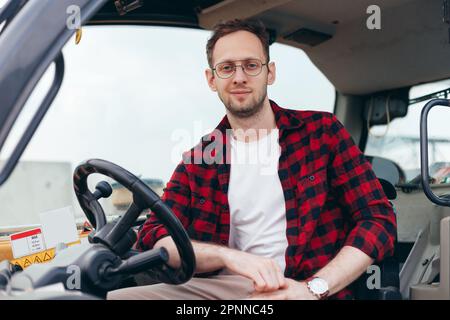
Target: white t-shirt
<point>255,196</point>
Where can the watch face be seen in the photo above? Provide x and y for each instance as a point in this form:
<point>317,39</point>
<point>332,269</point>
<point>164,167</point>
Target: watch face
<point>318,286</point>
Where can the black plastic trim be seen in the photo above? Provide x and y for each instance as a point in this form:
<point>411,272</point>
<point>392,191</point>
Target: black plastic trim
<point>37,118</point>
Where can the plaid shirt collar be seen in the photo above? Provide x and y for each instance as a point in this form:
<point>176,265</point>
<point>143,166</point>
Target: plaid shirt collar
<point>283,118</point>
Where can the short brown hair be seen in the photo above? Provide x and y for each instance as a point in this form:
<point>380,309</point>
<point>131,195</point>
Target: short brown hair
<point>224,28</point>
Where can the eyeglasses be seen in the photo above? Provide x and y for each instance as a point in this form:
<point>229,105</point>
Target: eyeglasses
<point>251,67</point>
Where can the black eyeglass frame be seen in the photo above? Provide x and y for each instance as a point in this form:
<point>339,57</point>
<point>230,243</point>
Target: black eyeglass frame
<point>242,67</point>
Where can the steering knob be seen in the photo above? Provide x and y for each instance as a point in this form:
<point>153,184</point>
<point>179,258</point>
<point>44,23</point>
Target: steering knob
<point>102,190</point>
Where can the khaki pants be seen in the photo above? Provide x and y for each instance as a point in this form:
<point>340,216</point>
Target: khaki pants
<point>219,287</point>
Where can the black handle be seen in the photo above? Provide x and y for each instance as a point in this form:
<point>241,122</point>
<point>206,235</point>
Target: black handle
<point>102,190</point>
<point>140,262</point>
<point>424,151</point>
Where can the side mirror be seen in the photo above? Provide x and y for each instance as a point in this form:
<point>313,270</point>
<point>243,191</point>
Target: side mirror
<point>439,200</point>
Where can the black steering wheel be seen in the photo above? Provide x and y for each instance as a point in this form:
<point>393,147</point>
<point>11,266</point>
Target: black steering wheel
<point>119,236</point>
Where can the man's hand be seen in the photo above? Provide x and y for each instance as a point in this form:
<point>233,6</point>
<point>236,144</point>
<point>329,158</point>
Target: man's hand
<point>294,290</point>
<point>265,273</point>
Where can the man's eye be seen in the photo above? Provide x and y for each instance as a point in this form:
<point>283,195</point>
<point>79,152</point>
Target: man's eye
<point>252,65</point>
<point>227,67</point>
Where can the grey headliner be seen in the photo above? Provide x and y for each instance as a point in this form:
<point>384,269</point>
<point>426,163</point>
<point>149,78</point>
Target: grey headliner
<point>411,47</point>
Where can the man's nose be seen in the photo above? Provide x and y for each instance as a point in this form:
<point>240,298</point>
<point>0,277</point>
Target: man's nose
<point>239,75</point>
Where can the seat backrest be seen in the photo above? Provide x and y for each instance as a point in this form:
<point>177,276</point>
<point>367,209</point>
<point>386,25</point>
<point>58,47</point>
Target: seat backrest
<point>386,169</point>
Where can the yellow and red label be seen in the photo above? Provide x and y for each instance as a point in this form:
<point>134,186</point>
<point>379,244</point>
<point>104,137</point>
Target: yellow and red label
<point>40,257</point>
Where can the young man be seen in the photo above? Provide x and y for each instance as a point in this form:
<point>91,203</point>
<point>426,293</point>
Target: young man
<point>303,221</point>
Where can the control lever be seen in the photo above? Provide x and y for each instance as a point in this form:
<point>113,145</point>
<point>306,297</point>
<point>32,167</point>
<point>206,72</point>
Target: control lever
<point>102,190</point>
<point>140,262</point>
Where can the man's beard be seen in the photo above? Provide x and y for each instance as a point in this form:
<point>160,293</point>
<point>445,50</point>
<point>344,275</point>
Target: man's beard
<point>247,110</point>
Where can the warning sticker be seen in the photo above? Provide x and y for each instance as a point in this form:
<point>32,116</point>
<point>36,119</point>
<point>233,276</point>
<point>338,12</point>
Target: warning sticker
<point>47,257</point>
<point>41,257</point>
<point>27,242</point>
<point>26,263</point>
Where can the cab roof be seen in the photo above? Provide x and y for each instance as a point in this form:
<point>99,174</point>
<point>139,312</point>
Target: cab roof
<point>412,46</point>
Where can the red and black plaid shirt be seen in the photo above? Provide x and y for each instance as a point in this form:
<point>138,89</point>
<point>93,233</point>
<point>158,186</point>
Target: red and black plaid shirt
<point>333,198</point>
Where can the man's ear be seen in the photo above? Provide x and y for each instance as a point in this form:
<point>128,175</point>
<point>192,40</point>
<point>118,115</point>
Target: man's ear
<point>210,79</point>
<point>271,75</point>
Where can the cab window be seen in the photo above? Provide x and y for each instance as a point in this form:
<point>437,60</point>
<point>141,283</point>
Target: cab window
<point>399,140</point>
<point>135,96</point>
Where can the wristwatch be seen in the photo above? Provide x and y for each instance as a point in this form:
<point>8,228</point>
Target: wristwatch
<point>318,287</point>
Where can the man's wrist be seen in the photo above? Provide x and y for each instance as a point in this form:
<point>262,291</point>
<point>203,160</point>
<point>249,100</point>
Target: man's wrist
<point>223,254</point>
<point>318,287</point>
<point>307,292</point>
<point>210,256</point>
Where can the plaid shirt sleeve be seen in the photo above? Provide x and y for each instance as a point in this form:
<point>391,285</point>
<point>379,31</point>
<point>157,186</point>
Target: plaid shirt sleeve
<point>177,196</point>
<point>361,195</point>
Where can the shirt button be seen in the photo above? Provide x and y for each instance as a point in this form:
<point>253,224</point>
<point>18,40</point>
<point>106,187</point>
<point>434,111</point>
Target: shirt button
<point>224,241</point>
<point>202,200</point>
<point>311,178</point>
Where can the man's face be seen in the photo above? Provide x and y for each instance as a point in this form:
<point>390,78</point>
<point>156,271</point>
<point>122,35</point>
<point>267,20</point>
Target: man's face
<point>243,95</point>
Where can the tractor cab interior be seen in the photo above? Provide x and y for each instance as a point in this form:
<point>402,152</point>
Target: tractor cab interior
<point>107,86</point>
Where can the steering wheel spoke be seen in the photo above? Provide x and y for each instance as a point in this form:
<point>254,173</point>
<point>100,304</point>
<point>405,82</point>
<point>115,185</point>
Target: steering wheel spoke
<point>123,225</point>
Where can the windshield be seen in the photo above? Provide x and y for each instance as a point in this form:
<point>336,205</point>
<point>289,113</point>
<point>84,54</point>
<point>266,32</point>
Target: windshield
<point>135,96</point>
